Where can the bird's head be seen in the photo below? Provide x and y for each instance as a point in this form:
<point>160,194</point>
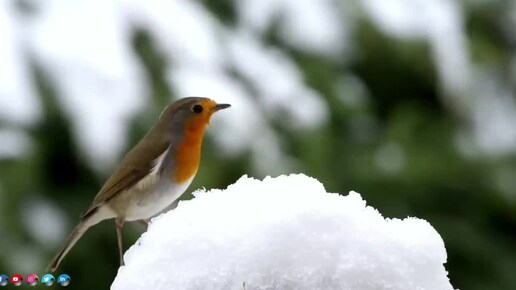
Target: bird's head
<point>191,114</point>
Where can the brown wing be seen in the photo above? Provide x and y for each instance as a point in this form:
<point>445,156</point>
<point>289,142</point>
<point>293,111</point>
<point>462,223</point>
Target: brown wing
<point>133,168</point>
<point>113,187</point>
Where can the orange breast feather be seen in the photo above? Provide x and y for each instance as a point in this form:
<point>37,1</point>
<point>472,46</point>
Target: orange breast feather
<point>188,155</point>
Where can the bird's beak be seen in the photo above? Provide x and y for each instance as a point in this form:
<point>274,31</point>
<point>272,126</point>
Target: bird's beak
<point>219,107</point>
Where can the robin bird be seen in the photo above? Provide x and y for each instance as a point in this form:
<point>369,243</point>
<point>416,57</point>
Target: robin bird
<point>154,174</point>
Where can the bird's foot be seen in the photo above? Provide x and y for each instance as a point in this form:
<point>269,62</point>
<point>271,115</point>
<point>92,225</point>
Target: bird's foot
<point>145,223</point>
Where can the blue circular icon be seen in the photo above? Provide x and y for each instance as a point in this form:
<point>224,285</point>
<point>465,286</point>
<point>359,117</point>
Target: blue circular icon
<point>64,280</point>
<point>47,279</point>
<point>4,280</point>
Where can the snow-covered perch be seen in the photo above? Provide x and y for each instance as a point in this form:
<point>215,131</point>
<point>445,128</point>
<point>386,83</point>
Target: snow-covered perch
<point>283,233</point>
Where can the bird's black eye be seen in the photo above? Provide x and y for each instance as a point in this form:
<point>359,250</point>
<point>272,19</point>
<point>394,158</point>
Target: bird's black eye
<point>197,109</point>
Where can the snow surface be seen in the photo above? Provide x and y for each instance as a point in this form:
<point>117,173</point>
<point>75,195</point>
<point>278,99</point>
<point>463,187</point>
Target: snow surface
<point>283,233</point>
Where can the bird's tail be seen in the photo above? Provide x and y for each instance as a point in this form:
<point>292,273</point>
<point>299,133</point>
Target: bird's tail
<point>76,234</point>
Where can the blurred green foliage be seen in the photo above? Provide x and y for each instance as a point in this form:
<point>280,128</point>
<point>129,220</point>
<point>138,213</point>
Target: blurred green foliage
<point>401,106</point>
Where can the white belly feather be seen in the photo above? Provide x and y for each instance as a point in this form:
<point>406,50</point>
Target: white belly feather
<point>150,199</point>
<point>149,196</point>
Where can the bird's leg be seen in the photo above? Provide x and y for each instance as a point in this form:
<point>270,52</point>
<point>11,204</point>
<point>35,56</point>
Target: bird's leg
<point>119,225</point>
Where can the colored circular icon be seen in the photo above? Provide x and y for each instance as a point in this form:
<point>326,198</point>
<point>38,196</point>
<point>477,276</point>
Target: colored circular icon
<point>32,279</point>
<point>64,280</point>
<point>4,279</point>
<point>48,279</point>
<point>16,279</point>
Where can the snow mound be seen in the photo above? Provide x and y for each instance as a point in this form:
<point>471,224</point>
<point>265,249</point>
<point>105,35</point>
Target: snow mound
<point>283,233</point>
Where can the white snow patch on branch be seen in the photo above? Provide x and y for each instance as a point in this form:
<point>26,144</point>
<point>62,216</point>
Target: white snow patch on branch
<point>283,233</point>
